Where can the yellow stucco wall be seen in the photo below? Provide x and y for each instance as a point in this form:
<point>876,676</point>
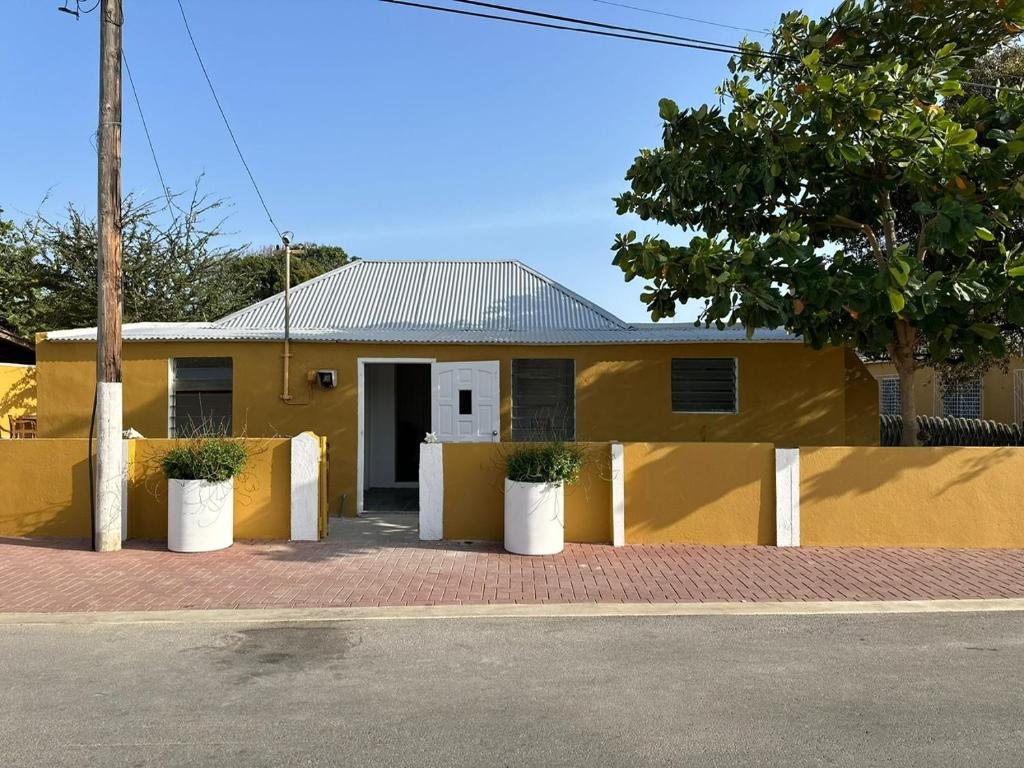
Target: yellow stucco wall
<point>862,424</point>
<point>997,390</point>
<point>262,492</point>
<point>788,393</point>
<point>911,497</point>
<point>17,394</point>
<point>474,493</point>
<point>695,493</point>
<point>44,489</point>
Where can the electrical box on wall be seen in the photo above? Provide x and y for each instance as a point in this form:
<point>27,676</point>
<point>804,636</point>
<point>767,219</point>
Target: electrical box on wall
<point>327,379</point>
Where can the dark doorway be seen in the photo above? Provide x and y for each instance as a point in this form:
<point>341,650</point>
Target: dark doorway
<point>412,418</point>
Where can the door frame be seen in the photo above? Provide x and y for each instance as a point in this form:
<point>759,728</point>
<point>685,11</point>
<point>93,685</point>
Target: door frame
<point>361,364</point>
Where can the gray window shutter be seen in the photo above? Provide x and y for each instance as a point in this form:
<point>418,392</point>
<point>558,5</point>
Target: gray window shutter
<point>201,396</point>
<point>543,400</point>
<point>704,385</point>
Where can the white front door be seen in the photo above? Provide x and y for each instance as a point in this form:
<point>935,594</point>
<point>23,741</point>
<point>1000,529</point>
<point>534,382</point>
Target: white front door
<point>468,402</point>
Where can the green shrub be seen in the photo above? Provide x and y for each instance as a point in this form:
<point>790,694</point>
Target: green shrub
<point>551,463</point>
<point>212,460</point>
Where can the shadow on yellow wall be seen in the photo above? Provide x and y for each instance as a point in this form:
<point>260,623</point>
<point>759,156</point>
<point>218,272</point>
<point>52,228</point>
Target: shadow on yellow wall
<point>44,489</point>
<point>17,394</point>
<point>700,493</point>
<point>911,497</point>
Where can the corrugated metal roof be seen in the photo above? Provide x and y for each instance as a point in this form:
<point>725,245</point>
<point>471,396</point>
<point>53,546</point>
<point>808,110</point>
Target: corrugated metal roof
<point>671,334</point>
<point>425,295</point>
<point>422,302</point>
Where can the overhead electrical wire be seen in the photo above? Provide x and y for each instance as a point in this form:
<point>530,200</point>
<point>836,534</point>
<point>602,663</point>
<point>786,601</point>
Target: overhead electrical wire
<point>587,22</point>
<point>618,32</point>
<point>227,123</point>
<point>660,39</point>
<point>694,19</point>
<point>145,129</point>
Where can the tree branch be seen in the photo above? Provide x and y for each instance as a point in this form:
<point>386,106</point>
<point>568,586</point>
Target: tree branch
<point>922,237</point>
<point>869,233</point>
<point>888,222</point>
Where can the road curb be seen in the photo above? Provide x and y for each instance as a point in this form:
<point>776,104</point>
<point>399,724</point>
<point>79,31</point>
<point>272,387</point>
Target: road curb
<point>512,611</point>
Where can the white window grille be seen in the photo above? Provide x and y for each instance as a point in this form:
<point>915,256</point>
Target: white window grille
<point>889,395</point>
<point>961,399</point>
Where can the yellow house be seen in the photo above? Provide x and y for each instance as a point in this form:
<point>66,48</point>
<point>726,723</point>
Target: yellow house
<point>379,353</point>
<point>17,381</point>
<point>997,396</point>
<point>17,395</point>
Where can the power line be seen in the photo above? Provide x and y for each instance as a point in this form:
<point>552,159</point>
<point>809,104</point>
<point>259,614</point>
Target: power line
<point>227,124</point>
<point>145,129</point>
<point>694,19</point>
<point>643,36</point>
<point>601,25</point>
<point>708,46</point>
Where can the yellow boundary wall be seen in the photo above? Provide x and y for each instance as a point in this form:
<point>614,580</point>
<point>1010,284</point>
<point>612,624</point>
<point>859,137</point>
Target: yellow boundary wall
<point>689,493</point>
<point>44,489</point>
<point>474,493</point>
<point>699,493</point>
<point>725,494</point>
<point>694,493</point>
<point>912,497</point>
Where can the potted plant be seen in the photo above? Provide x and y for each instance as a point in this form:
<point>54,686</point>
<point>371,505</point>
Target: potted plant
<point>535,478</point>
<point>201,494</point>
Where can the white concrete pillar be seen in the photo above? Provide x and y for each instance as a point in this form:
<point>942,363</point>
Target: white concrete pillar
<point>109,467</point>
<point>431,491</point>
<point>305,487</point>
<point>787,497</point>
<point>125,471</point>
<point>618,495</point>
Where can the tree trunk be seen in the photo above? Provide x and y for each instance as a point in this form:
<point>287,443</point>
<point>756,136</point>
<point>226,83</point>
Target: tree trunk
<point>902,353</point>
<point>908,409</point>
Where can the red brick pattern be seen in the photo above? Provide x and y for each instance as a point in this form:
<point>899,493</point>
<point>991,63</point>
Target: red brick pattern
<point>62,576</point>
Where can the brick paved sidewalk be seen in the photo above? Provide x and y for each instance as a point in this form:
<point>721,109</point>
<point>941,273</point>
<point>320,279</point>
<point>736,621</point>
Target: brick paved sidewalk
<point>62,576</point>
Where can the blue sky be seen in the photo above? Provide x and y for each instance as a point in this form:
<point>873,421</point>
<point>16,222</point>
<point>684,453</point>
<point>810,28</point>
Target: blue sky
<point>394,132</point>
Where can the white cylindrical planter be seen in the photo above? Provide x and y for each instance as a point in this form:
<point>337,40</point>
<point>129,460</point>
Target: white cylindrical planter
<point>534,518</point>
<point>200,515</point>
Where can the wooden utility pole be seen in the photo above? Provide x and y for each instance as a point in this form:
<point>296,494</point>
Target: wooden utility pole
<point>286,389</point>
<point>109,465</point>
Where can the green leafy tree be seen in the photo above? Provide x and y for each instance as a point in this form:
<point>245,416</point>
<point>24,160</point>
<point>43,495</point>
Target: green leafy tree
<point>259,274</point>
<point>174,267</point>
<point>20,282</point>
<point>1002,65</point>
<point>831,131</point>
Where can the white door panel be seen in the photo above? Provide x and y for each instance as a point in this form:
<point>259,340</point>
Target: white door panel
<point>468,402</point>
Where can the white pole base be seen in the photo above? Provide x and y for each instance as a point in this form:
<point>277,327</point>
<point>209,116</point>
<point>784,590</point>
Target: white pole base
<point>109,467</point>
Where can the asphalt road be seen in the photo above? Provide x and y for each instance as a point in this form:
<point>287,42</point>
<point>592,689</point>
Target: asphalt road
<point>906,690</point>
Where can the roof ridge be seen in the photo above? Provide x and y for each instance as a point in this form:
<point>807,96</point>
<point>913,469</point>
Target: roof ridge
<point>440,261</point>
<point>583,312</point>
<point>279,294</point>
<point>571,294</point>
